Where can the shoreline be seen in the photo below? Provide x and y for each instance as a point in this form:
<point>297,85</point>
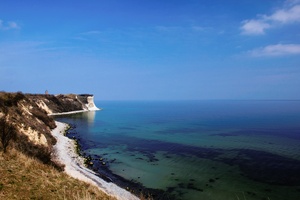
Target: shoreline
<point>67,113</point>
<point>72,112</point>
<point>65,153</point>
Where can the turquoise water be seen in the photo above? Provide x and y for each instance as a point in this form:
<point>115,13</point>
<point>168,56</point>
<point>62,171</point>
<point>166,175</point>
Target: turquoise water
<point>195,149</point>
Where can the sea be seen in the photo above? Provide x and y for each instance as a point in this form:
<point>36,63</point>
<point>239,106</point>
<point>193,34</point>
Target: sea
<point>194,150</point>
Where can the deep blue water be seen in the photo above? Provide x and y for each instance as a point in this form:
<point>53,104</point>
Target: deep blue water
<point>195,149</point>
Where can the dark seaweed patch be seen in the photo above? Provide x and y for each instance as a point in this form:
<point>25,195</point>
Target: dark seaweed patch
<point>266,167</point>
<point>127,128</point>
<point>288,133</point>
<point>179,131</point>
<point>212,180</point>
<point>225,134</point>
<point>251,193</point>
<point>257,165</point>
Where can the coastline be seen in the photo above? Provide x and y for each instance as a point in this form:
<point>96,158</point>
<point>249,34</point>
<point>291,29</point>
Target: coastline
<point>65,153</point>
<point>68,113</point>
<point>73,112</point>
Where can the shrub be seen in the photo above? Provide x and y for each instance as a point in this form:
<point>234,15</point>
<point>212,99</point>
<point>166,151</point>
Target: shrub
<point>42,115</point>
<point>7,133</point>
<point>40,152</point>
<point>11,99</point>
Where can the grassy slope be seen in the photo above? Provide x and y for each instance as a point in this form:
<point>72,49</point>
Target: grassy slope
<point>22,177</point>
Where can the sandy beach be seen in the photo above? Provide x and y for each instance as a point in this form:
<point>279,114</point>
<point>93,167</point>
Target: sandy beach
<point>65,154</point>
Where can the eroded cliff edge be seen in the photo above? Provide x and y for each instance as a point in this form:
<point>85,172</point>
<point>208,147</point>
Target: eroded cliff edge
<point>29,114</point>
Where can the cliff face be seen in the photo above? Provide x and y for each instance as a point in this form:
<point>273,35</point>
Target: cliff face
<point>64,103</point>
<point>88,101</point>
<point>29,115</point>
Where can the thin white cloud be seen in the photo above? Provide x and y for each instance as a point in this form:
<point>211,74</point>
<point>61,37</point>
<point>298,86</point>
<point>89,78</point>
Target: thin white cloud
<point>198,28</point>
<point>292,2</point>
<point>168,28</point>
<point>277,50</point>
<point>174,29</point>
<point>286,15</point>
<point>258,26</point>
<point>8,25</point>
<point>13,25</point>
<point>254,27</point>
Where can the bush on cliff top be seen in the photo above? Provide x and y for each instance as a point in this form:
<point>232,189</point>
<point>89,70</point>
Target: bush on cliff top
<point>10,99</point>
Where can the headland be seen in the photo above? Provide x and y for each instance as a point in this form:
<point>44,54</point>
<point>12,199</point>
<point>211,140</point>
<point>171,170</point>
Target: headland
<point>39,136</point>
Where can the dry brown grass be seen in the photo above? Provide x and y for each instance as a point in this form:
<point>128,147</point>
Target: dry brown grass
<point>22,177</point>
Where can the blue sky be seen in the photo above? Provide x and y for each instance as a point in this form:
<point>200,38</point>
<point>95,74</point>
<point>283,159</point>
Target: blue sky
<point>152,49</point>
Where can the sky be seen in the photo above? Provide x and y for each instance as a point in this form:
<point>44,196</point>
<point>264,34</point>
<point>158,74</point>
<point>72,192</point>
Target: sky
<point>152,49</point>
